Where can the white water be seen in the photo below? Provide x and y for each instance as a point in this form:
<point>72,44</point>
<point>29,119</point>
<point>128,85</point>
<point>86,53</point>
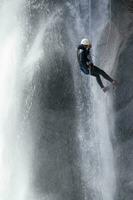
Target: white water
<point>15,140</point>
<point>18,63</point>
<point>98,173</point>
<point>103,118</point>
<point>98,167</point>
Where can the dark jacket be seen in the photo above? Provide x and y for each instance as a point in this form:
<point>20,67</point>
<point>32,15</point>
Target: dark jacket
<point>84,56</point>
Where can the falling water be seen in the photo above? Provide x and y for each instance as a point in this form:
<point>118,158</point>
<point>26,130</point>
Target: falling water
<point>15,138</point>
<point>104,183</point>
<point>21,52</point>
<point>98,168</point>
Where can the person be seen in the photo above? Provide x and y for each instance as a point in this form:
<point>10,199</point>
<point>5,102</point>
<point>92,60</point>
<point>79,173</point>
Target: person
<point>87,66</point>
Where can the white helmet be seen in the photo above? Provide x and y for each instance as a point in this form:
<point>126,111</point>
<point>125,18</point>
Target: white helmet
<point>85,42</point>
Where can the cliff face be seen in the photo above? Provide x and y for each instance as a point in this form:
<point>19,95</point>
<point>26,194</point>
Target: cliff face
<point>53,117</point>
<point>53,112</point>
<point>122,17</point>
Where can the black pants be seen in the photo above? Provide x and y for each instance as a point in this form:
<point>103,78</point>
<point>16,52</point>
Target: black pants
<point>95,71</point>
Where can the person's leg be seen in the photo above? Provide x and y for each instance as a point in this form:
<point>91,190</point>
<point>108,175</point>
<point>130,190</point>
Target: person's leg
<point>99,81</point>
<point>93,73</point>
<point>88,72</point>
<point>101,72</point>
<point>98,78</point>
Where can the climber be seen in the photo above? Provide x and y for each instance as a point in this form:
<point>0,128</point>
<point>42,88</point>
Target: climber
<point>87,66</point>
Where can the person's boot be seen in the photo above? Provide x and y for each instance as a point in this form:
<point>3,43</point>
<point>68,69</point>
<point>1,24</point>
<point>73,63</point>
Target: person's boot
<point>105,89</point>
<point>115,83</point>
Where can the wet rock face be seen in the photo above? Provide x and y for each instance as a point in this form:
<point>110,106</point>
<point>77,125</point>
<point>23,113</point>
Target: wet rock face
<point>129,4</point>
<point>123,19</point>
<point>53,114</point>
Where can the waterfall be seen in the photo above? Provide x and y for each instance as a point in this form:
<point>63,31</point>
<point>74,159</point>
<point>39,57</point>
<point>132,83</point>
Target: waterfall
<point>102,128</point>
<point>98,167</point>
<point>55,133</point>
<point>15,132</point>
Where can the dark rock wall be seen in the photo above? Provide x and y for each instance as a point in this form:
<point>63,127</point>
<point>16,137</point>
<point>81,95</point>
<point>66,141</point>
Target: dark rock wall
<point>122,17</point>
<point>53,114</point>
<point>56,167</point>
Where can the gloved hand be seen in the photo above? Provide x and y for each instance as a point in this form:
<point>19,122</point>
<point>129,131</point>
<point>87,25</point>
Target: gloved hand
<point>89,65</point>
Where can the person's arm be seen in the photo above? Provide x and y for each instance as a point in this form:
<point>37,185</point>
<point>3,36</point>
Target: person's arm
<point>82,58</point>
<point>89,60</point>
